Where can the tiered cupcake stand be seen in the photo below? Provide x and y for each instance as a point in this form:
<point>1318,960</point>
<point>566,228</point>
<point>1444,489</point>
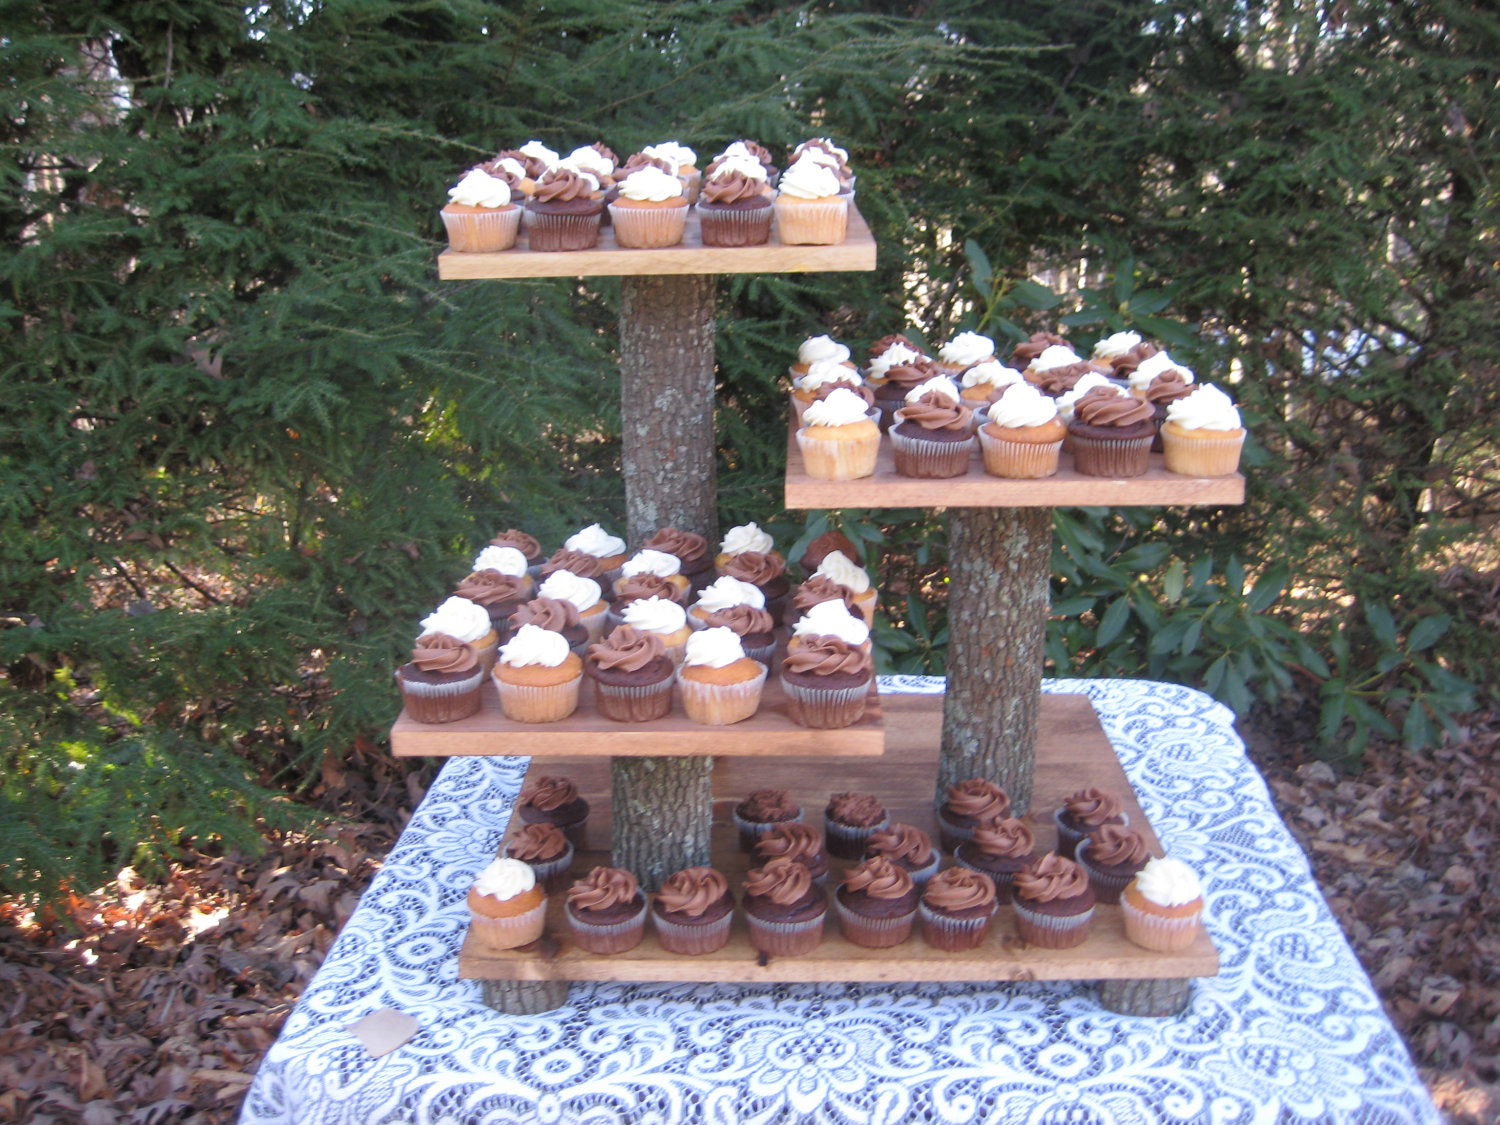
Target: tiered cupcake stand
<point>661,793</point>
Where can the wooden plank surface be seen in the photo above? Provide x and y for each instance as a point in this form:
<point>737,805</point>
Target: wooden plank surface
<point>1072,752</point>
<point>770,731</point>
<point>855,253</point>
<point>977,489</point>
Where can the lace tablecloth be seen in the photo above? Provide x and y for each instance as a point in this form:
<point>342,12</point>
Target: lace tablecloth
<point>1289,1031</point>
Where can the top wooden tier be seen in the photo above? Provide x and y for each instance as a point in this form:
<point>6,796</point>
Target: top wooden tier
<point>855,253</point>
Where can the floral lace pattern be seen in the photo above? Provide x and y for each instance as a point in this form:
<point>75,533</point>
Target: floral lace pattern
<point>1290,1031</point>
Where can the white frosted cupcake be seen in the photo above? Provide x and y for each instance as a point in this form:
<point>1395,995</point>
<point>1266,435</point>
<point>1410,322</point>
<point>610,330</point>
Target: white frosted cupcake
<point>538,676</point>
<point>608,549</point>
<point>964,351</point>
<point>1202,435</point>
<point>1163,906</point>
<point>480,216</point>
<point>663,618</point>
<point>507,907</point>
<point>1022,437</point>
<point>651,210</point>
<point>838,438</point>
<point>724,592</point>
<point>809,207</point>
<point>720,685</point>
<point>467,622</point>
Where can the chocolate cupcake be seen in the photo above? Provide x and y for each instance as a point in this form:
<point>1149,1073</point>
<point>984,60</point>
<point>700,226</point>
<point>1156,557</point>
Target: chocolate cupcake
<point>606,911</point>
<point>500,594</point>
<point>932,438</point>
<point>692,911</point>
<point>554,800</point>
<point>691,551</point>
<point>734,208</point>
<point>632,676</point>
<point>783,909</point>
<point>909,848</point>
<point>554,614</point>
<point>1053,903</point>
<point>848,821</point>
<point>877,904</point>
<point>564,211</point>
<point>1086,811</point>
<point>828,683</point>
<point>969,804</point>
<point>757,813</point>
<point>544,849</point>
<point>1111,433</point>
<point>754,627</point>
<point>441,682</point>
<point>957,908</point>
<point>795,840</point>
<point>1000,849</point>
<point>1112,856</point>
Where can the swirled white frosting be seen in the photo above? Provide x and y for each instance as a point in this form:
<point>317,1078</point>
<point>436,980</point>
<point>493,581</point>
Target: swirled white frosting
<point>459,618</point>
<point>677,155</point>
<point>651,184</point>
<point>594,540</point>
<point>841,408</point>
<point>1055,355</point>
<point>823,371</point>
<point>512,166</point>
<point>505,878</point>
<point>480,189</point>
<point>1066,402</point>
<point>1117,344</point>
<point>1207,408</point>
<point>587,158</point>
<point>718,647</point>
<point>893,356</point>
<point>938,384</point>
<point>845,571</point>
<point>1168,882</point>
<point>746,165</point>
<point>648,561</point>
<point>991,375</point>
<point>507,560</point>
<point>832,619</point>
<point>1158,364</point>
<point>533,645</point>
<point>746,537</point>
<point>724,592</point>
<point>565,586</point>
<point>541,152</point>
<point>807,179</point>
<point>966,348</point>
<point>655,615</point>
<point>822,144</point>
<point>1022,405</point>
<point>815,348</point>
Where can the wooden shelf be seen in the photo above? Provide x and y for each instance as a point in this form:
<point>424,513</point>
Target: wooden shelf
<point>977,489</point>
<point>856,252</point>
<point>770,731</point>
<point>1072,751</point>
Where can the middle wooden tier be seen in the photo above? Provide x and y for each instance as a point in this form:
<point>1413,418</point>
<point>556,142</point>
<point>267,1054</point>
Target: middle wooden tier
<point>771,731</point>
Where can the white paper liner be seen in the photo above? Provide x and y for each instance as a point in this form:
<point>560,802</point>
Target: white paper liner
<point>814,223</point>
<point>644,228</point>
<point>785,939</point>
<point>523,703</point>
<point>552,868</point>
<point>1202,457</point>
<point>873,933</point>
<point>930,460</point>
<point>1052,931</point>
<point>719,705</point>
<point>838,460</point>
<point>445,700</point>
<point>509,933</point>
<point>613,938</point>
<point>826,708</point>
<point>1018,460</point>
<point>674,937</point>
<point>1157,933</point>
<point>961,933</point>
<point>482,232</point>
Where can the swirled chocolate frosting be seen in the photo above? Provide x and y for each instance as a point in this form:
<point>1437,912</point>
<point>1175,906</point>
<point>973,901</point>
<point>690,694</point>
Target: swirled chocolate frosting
<point>638,160</point>
<point>1167,387</point>
<point>828,656</point>
<point>1105,406</point>
<point>767,805</point>
<point>686,546</point>
<point>627,649</point>
<point>959,889</point>
<point>794,840</point>
<point>821,588</point>
<point>490,587</point>
<point>731,189</point>
<point>745,620</point>
<point>1093,807</point>
<point>550,613</point>
<point>639,586</point>
<point>1060,380</point>
<point>1125,364</point>
<point>978,799</point>
<point>1051,878</point>
<point>755,568</point>
<point>602,888</point>
<point>857,810</point>
<point>441,654</point>
<point>913,374</point>
<point>580,563</point>
<point>1011,838</point>
<point>882,345</point>
<point>1028,350</point>
<point>782,880</point>
<point>935,412</point>
<point>563,185</point>
<point>534,165</point>
<point>1112,845</point>
<point>862,391</point>
<point>537,843</point>
<point>692,891</point>
<point>522,542</point>
<point>494,169</point>
<point>547,793</point>
<point>878,877</point>
<point>903,843</point>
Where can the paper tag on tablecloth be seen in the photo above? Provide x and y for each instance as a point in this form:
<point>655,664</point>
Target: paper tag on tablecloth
<point>383,1030</point>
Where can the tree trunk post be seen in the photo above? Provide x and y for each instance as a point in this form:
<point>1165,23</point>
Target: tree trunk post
<point>663,807</point>
<point>999,563</point>
<point>524,997</point>
<point>1146,997</point>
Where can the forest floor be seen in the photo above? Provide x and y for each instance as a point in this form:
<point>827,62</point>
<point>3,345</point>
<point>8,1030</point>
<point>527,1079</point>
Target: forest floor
<point>154,1002</point>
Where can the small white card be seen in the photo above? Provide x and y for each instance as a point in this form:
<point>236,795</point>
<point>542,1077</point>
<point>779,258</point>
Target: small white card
<point>383,1030</point>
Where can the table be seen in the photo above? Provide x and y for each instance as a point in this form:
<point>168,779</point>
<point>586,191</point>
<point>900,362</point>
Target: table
<point>1289,1031</point>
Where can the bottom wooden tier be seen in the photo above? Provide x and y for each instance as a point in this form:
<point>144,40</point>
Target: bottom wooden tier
<point>1072,752</point>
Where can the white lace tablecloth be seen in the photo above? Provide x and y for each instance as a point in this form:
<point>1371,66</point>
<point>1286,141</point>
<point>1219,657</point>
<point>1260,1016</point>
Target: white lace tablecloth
<point>1289,1031</point>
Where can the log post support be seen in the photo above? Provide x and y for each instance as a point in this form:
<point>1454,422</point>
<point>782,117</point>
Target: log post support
<point>663,807</point>
<point>524,997</point>
<point>1146,997</point>
<point>999,564</point>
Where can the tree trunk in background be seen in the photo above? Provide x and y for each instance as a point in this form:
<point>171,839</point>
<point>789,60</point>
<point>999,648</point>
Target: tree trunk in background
<point>663,807</point>
<point>1000,560</point>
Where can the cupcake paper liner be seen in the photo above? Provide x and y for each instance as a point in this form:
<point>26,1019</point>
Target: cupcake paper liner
<point>549,233</point>
<point>1111,457</point>
<point>719,705</point>
<point>1019,460</point>
<point>932,460</point>
<point>1157,932</point>
<point>1052,931</point>
<point>441,703</point>
<point>785,939</point>
<point>523,703</point>
<point>838,460</point>
<point>674,937</point>
<point>614,938</point>
<point>1200,456</point>
<point>510,933</point>
<point>826,708</point>
<point>481,233</point>
<point>645,228</point>
<point>953,934</point>
<point>633,703</point>
<point>818,223</point>
<point>750,227</point>
<point>873,933</point>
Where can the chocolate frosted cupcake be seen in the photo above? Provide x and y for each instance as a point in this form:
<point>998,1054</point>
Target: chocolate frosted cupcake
<point>1027,350</point>
<point>877,904</point>
<point>554,800</point>
<point>1084,812</point>
<point>441,682</point>
<point>692,911</point>
<point>999,848</point>
<point>544,849</point>
<point>606,911</point>
<point>848,821</point>
<point>892,388</point>
<point>1165,389</point>
<point>637,588</point>
<point>526,544</point>
<point>564,211</point>
<point>760,811</point>
<point>783,909</point>
<point>690,549</point>
<point>735,207</point>
<point>500,594</point>
<point>1053,903</point>
<point>573,561</point>
<point>1112,856</point>
<point>957,908</point>
<point>632,676</point>
<point>555,615</point>
<point>969,804</point>
<point>798,841</point>
<point>754,627</point>
<point>828,683</point>
<point>817,589</point>
<point>932,438</point>
<point>1111,433</point>
<point>766,571</point>
<point>908,847</point>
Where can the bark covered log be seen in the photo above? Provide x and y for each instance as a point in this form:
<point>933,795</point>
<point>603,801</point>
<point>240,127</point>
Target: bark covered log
<point>999,563</point>
<point>1146,997</point>
<point>663,810</point>
<point>524,997</point>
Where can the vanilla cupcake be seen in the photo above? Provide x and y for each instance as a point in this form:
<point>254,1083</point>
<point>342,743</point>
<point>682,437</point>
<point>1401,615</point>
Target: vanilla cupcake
<point>1148,369</point>
<point>745,537</point>
<point>585,595</point>
<point>480,216</point>
<point>838,438</point>
<point>608,549</point>
<point>538,676</point>
<point>1163,906</point>
<point>984,383</point>
<point>1023,436</point>
<point>650,210</point>
<point>1202,435</point>
<point>468,623</point>
<point>720,685</point>
<point>507,907</point>
<point>809,207</point>
<point>964,351</point>
<point>820,349</point>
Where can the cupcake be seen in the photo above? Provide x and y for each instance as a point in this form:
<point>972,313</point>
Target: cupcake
<point>794,840</point>
<point>1163,906</point>
<point>480,216</point>
<point>969,804</point>
<point>608,549</point>
<point>554,615</point>
<point>606,911</point>
<point>1149,370</point>
<point>689,549</point>
<point>683,163</point>
<point>877,903</point>
<point>563,212</point>
<point>838,440</point>
<point>543,848</point>
<point>466,623</point>
<point>1111,434</point>
<point>816,350</point>
<point>744,151</point>
<point>500,594</point>
<point>1111,856</point>
<point>723,593</point>
<point>1022,436</point>
<point>507,909</point>
<point>848,821</point>
<point>441,682</point>
<point>848,574</point>
<point>538,676</point>
<point>766,572</point>
<point>738,540</point>
<point>664,618</point>
<point>735,207</point>
<point>1026,352</point>
<point>828,683</point>
<point>660,563</point>
<point>1112,349</point>
<point>530,549</point>
<point>809,207</point>
<point>964,351</point>
<point>984,383</point>
<point>892,390</point>
<point>650,210</point>
<point>823,151</point>
<point>956,909</point>
<point>830,619</point>
<point>720,684</point>
<point>761,811</point>
<point>692,911</point>
<point>754,627</point>
<point>1202,435</point>
<point>1053,903</point>
<point>999,848</point>
<point>554,800</point>
<point>581,563</point>
<point>632,676</point>
<point>636,588</point>
<point>586,596</point>
<point>783,909</point>
<point>909,848</point>
<point>932,437</point>
<point>1084,812</point>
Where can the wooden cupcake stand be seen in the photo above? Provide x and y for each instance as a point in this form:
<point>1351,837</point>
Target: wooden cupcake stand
<point>663,801</point>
